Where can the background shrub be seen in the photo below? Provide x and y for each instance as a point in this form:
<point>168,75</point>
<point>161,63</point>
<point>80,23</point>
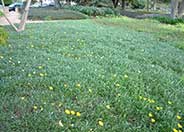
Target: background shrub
<point>138,4</point>
<point>92,10</point>
<point>7,2</point>
<point>3,36</point>
<point>168,20</point>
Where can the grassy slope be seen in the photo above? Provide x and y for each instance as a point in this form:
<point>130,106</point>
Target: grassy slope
<point>98,55</point>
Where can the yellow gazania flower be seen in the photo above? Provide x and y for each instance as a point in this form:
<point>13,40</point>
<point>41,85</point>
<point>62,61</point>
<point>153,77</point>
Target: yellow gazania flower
<point>67,112</point>
<point>78,114</point>
<point>125,76</point>
<point>22,98</point>
<point>41,74</point>
<point>41,108</point>
<point>140,97</point>
<point>51,88</point>
<point>169,102</point>
<point>29,75</point>
<point>90,90</point>
<point>179,125</point>
<point>117,85</point>
<point>78,85</point>
<point>152,101</point>
<point>60,104</point>
<point>150,114</point>
<point>40,67</point>
<point>35,107</point>
<point>65,85</point>
<point>159,108</point>
<point>175,130</point>
<point>178,117</point>
<point>100,123</point>
<point>153,120</point>
<point>108,107</point>
<point>72,112</point>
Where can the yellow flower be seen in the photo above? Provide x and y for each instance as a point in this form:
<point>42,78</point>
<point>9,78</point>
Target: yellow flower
<point>178,117</point>
<point>78,85</point>
<point>144,99</point>
<point>125,76</point>
<point>150,114</point>
<point>41,108</point>
<point>159,108</point>
<point>180,131</point>
<point>40,67</point>
<point>117,85</point>
<point>175,130</point>
<point>169,102</point>
<point>100,123</point>
<point>60,104</point>
<point>51,88</point>
<point>22,98</point>
<point>29,75</point>
<point>108,106</point>
<point>1,57</point>
<point>35,107</point>
<point>65,85</point>
<point>78,114</point>
<point>67,112</point>
<point>179,125</point>
<point>61,124</point>
<point>153,120</point>
<point>90,90</point>
<point>41,74</point>
<point>72,112</point>
<point>140,97</point>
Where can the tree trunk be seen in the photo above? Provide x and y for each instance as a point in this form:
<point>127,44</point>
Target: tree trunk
<point>123,4</point>
<point>181,9</point>
<point>115,3</point>
<point>148,3</point>
<point>154,5</point>
<point>24,16</point>
<point>57,4</point>
<point>174,8</point>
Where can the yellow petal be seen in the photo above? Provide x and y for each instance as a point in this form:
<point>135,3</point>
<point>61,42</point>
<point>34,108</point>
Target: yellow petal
<point>67,112</point>
<point>150,115</point>
<point>78,114</point>
<point>179,125</point>
<point>175,130</point>
<point>100,123</point>
<point>72,112</point>
<point>153,120</point>
<point>108,106</point>
<point>178,117</point>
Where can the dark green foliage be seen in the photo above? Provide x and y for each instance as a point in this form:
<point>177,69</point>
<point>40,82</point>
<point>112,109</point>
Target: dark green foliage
<point>138,4</point>
<point>7,2</point>
<point>92,10</point>
<point>52,14</point>
<point>3,36</point>
<point>168,20</point>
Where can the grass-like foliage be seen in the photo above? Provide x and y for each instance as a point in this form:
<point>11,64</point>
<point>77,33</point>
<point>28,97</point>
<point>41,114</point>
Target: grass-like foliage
<point>111,74</point>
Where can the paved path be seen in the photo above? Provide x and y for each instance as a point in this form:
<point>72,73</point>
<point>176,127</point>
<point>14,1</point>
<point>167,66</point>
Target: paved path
<point>14,17</point>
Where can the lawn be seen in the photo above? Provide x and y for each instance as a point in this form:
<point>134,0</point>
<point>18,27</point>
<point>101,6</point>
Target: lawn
<point>109,74</point>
